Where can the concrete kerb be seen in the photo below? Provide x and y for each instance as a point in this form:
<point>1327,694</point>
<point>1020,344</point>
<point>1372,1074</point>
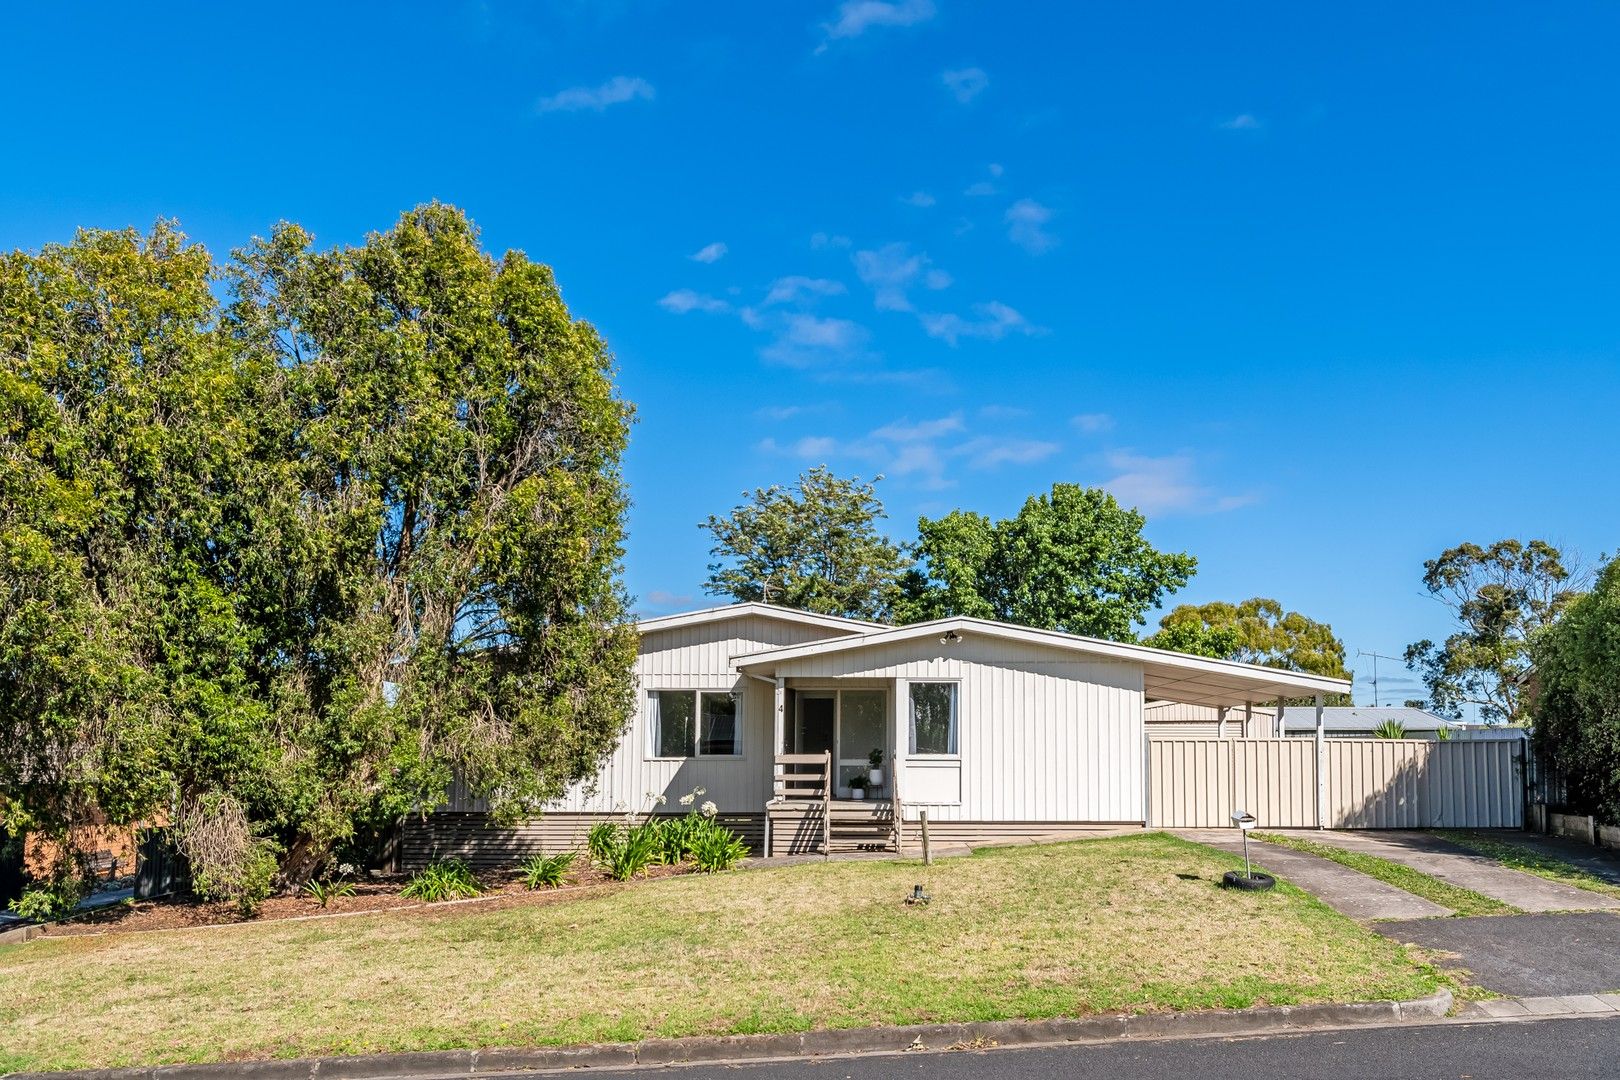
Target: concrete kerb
<point>736,1049</point>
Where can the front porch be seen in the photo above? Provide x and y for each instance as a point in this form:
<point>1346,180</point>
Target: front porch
<point>804,818</point>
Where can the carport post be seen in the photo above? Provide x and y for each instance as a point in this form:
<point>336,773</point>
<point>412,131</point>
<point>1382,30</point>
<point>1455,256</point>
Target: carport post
<point>1321,766</point>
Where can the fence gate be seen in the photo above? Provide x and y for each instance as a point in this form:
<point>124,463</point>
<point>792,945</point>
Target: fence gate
<point>1369,783</point>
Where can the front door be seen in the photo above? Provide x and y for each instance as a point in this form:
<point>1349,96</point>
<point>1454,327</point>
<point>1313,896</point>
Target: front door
<point>849,724</point>
<point>817,725</point>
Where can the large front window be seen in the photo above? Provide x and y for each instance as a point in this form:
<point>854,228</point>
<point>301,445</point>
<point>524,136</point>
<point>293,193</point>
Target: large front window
<point>693,723</point>
<point>933,718</point>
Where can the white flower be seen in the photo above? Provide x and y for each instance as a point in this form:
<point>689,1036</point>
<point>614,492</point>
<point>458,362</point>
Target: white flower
<point>709,809</point>
<point>662,799</point>
<point>700,791</point>
<point>345,869</point>
<point>688,800</point>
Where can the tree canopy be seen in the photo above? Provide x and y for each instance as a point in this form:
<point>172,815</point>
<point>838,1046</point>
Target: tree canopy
<point>1072,560</point>
<point>816,546</point>
<point>1500,597</point>
<point>1256,631</point>
<point>1576,704</point>
<point>294,558</point>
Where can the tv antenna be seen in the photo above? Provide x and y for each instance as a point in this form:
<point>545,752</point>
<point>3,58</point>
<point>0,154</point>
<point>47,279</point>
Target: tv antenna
<point>1375,658</point>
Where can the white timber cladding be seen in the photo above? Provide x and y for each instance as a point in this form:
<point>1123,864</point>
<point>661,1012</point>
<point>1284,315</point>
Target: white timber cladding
<point>1043,734</point>
<point>697,657</point>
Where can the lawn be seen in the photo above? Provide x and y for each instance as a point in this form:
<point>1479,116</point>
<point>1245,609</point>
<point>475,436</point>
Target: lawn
<point>1126,923</point>
<point>1460,900</point>
<point>1531,861</point>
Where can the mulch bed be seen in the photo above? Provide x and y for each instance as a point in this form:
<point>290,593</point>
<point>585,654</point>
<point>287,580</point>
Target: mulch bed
<point>504,889</point>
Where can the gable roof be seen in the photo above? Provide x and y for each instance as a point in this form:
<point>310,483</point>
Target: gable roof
<point>769,611</point>
<point>1167,675</point>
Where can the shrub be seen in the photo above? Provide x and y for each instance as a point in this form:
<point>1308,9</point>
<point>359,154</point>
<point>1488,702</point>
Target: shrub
<point>601,840</point>
<point>1390,729</point>
<point>49,900</point>
<point>715,848</point>
<point>546,871</point>
<point>442,879</point>
<point>228,861</point>
<point>631,850</point>
<point>326,888</point>
<point>1577,705</point>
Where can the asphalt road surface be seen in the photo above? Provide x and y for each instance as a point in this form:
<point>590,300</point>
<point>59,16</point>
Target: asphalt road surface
<point>1562,1049</point>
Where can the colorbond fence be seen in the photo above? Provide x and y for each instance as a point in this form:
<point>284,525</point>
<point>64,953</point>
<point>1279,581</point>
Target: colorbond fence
<point>1370,783</point>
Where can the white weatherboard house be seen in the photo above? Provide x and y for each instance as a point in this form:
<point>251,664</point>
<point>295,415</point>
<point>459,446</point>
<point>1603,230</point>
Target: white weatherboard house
<point>993,730</point>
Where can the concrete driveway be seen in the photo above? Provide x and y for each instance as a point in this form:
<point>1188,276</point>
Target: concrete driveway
<point>1466,869</point>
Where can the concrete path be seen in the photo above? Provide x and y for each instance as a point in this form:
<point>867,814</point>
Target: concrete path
<point>1525,955</point>
<point>1341,888</point>
<point>1465,869</point>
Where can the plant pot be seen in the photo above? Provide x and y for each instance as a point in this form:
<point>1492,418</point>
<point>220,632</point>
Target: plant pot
<point>1255,882</point>
<point>876,777</point>
<point>857,793</point>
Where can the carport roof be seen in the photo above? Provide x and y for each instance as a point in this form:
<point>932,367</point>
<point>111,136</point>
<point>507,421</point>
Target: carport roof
<point>1167,676</point>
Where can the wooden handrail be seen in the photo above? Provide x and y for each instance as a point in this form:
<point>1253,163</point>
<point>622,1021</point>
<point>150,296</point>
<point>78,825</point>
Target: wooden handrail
<point>826,806</point>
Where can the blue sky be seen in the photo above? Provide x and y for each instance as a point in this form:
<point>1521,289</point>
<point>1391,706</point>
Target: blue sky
<point>1322,292</point>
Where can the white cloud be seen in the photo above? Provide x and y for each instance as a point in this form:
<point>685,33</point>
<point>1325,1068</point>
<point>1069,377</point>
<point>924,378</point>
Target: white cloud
<point>1026,226</point>
<point>682,301</point>
<point>615,91</point>
<point>992,322</point>
<point>794,288</point>
<point>996,169</point>
<point>1003,412</point>
<point>1167,484</point>
<point>665,599</point>
<point>804,341</point>
<point>920,199</point>
<point>903,431</point>
<point>980,189</point>
<point>1093,423</point>
<point>965,83</point>
<point>710,253</point>
<point>921,451</point>
<point>1241,122</point>
<point>856,17</point>
<point>892,270</point>
<point>988,452</point>
<point>820,241</point>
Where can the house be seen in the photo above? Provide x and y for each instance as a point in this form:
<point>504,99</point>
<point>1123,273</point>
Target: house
<point>994,730</point>
<point>1361,722</point>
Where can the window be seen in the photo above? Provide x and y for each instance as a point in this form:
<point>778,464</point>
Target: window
<point>692,723</point>
<point>933,718</point>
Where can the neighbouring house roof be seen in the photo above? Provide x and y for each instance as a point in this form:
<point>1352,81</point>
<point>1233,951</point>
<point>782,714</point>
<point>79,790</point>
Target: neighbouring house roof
<point>770,611</point>
<point>1170,676</point>
<point>1364,718</point>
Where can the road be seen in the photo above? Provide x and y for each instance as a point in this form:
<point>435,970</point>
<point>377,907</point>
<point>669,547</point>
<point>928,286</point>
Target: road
<point>1566,1049</point>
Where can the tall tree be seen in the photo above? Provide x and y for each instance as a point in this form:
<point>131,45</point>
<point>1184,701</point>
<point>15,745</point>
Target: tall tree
<point>282,569</point>
<point>1071,560</point>
<point>1576,703</point>
<point>1500,597</point>
<point>815,546</point>
<point>1258,631</point>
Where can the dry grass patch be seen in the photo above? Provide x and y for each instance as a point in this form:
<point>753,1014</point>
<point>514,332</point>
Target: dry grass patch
<point>1128,923</point>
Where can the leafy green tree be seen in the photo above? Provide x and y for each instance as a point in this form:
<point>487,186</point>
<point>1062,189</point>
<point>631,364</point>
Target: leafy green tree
<point>1261,632</point>
<point>1197,639</point>
<point>1500,596</point>
<point>953,556</point>
<point>1576,704</point>
<point>282,569</point>
<point>815,546</point>
<point>1071,560</point>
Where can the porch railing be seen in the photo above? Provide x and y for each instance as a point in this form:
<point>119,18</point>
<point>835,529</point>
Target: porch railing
<point>808,776</point>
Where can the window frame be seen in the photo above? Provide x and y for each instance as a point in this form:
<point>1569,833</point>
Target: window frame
<point>653,713</point>
<point>955,726</point>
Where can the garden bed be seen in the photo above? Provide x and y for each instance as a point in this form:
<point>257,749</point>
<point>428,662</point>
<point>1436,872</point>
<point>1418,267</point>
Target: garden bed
<point>503,889</point>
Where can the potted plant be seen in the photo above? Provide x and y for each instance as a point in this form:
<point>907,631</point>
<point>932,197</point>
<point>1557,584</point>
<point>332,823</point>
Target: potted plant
<point>875,775</point>
<point>857,786</point>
